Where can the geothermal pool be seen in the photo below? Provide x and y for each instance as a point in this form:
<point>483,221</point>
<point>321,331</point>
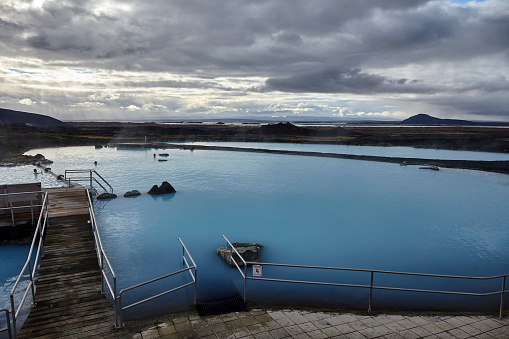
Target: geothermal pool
<point>303,210</point>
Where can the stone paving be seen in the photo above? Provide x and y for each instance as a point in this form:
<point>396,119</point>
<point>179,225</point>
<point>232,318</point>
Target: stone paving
<point>279,324</point>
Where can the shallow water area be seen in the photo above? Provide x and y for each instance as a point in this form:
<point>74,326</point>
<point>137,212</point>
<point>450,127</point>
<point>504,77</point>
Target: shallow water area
<point>304,210</point>
<point>25,174</point>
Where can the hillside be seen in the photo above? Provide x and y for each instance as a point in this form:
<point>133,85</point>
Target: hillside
<point>424,119</point>
<point>9,117</point>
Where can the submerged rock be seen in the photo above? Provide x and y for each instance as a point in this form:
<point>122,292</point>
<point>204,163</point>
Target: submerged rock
<point>132,193</point>
<point>163,189</point>
<point>106,196</point>
<point>248,251</point>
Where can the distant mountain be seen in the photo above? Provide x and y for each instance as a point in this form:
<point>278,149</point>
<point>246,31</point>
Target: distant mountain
<point>8,117</point>
<point>424,119</point>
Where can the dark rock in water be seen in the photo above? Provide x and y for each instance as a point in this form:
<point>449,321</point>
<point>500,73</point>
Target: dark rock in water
<point>47,169</point>
<point>163,189</point>
<point>248,251</point>
<point>60,177</point>
<point>154,190</point>
<point>39,157</point>
<point>98,146</point>
<point>106,196</point>
<point>167,188</point>
<point>132,193</point>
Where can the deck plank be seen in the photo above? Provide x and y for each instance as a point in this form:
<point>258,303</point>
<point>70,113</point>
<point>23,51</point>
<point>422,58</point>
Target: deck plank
<point>69,299</point>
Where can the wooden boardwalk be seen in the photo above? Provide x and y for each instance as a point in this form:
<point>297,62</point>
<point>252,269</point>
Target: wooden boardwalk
<point>69,299</point>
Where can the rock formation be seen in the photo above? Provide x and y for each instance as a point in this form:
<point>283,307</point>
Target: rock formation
<point>248,251</point>
<point>106,196</point>
<point>132,193</point>
<point>163,189</point>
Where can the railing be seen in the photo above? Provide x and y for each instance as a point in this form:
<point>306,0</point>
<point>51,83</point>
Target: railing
<point>188,268</point>
<point>102,258</point>
<point>8,321</point>
<point>90,178</point>
<point>33,196</point>
<point>32,267</point>
<point>371,286</point>
<point>112,283</point>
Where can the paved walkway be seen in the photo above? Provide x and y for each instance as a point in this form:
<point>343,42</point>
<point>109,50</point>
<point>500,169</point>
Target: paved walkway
<point>278,324</point>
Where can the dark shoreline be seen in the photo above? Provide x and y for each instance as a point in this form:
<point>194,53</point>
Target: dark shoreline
<point>496,166</point>
<point>17,139</point>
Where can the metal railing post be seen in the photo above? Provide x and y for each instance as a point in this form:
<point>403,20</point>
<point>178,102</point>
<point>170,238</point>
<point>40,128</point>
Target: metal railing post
<point>370,292</point>
<point>103,276</point>
<point>115,301</point>
<point>34,303</point>
<point>245,282</point>
<point>90,174</point>
<point>195,285</point>
<point>13,311</point>
<point>12,210</point>
<point>32,207</point>
<point>120,313</point>
<point>501,313</point>
<point>8,320</point>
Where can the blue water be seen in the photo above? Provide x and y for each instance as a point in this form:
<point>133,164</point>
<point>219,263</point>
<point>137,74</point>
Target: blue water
<point>304,210</point>
<point>25,174</point>
<point>12,259</point>
<point>404,152</point>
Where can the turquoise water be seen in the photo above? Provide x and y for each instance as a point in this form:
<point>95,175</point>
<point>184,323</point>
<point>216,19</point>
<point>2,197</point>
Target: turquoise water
<point>404,152</point>
<point>12,259</point>
<point>304,210</point>
<point>25,174</point>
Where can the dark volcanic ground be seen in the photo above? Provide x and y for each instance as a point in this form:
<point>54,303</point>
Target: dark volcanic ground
<point>16,139</point>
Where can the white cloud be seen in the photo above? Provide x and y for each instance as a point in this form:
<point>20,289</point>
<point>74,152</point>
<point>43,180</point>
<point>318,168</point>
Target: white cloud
<point>132,108</point>
<point>27,101</point>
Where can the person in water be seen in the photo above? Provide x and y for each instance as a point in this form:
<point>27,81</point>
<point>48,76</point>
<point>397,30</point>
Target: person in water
<point>35,171</point>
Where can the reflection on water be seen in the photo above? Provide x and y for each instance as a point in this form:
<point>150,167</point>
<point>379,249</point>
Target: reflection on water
<point>304,210</point>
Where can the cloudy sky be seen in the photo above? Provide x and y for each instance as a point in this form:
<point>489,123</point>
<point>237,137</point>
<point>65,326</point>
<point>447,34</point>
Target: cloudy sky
<point>216,59</point>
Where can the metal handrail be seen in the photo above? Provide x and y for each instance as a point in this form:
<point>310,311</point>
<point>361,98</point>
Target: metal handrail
<point>11,208</point>
<point>187,268</point>
<point>8,321</point>
<point>90,178</point>
<point>112,286</point>
<point>102,258</point>
<point>40,231</point>
<point>243,274</point>
<point>371,286</point>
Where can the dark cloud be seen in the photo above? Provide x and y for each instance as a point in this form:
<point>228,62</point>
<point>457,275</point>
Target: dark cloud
<point>366,47</point>
<point>352,81</point>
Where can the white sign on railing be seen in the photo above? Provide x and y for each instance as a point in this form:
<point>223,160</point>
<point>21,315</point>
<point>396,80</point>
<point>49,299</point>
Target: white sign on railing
<point>257,270</point>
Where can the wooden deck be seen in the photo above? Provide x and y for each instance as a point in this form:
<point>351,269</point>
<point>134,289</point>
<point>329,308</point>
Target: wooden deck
<point>69,299</point>
<point>67,202</point>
